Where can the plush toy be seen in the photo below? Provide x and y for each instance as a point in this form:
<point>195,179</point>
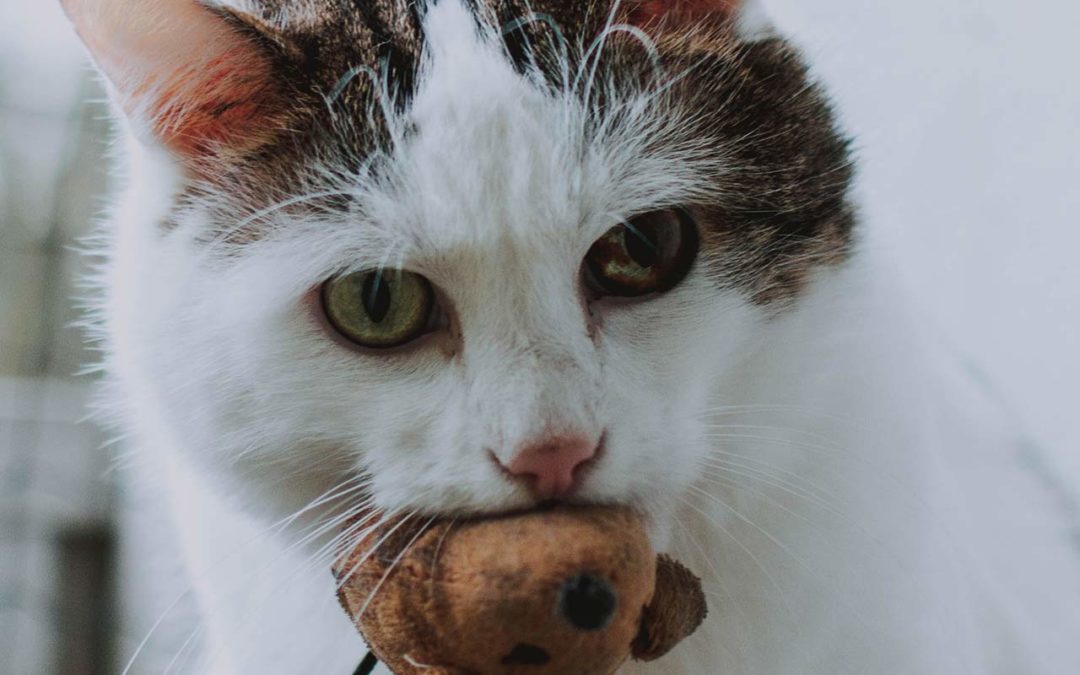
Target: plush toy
<point>560,591</point>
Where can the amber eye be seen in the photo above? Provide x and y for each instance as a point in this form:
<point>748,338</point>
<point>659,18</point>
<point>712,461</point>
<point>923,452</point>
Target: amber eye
<point>380,309</point>
<point>650,253</point>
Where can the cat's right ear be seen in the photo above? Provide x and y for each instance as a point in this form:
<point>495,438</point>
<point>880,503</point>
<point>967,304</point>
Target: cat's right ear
<point>198,80</point>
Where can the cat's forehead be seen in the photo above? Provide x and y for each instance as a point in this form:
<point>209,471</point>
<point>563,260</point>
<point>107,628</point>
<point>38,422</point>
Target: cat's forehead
<point>487,156</point>
<point>341,34</point>
<point>472,136</point>
<point>464,122</point>
<point>354,68</point>
<point>390,16</point>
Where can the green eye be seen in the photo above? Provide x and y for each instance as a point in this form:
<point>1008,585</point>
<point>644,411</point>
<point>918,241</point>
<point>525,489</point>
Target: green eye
<point>380,309</point>
<point>650,253</point>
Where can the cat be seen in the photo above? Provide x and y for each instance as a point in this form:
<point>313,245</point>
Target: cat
<point>417,259</point>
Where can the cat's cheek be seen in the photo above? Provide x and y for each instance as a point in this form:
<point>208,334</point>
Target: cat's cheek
<point>658,520</point>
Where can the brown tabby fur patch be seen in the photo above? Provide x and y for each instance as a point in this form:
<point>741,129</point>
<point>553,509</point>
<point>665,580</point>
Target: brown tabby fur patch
<point>784,210</point>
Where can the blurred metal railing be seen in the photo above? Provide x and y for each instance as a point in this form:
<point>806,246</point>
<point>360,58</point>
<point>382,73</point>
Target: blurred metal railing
<point>56,495</point>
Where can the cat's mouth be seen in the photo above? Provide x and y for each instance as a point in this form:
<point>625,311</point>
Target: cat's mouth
<point>544,506</point>
<point>583,498</point>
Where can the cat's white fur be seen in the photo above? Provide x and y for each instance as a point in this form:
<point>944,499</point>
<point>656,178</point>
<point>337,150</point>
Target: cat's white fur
<point>853,502</point>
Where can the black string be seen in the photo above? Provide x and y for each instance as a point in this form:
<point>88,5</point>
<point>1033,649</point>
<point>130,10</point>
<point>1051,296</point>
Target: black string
<point>367,665</point>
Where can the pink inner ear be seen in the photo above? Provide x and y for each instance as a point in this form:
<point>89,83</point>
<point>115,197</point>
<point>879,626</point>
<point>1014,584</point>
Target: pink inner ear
<point>181,73</point>
<point>228,103</point>
<point>652,11</point>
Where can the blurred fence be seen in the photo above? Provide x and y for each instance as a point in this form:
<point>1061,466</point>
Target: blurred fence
<point>55,494</point>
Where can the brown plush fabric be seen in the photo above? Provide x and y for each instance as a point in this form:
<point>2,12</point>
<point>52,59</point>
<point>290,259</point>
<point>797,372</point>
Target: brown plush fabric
<point>677,609</point>
<point>490,597</point>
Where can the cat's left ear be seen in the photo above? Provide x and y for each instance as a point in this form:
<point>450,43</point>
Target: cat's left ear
<point>746,17</point>
<point>199,80</point>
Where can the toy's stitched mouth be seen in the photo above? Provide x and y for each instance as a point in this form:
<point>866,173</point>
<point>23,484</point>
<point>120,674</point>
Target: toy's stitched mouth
<point>526,655</point>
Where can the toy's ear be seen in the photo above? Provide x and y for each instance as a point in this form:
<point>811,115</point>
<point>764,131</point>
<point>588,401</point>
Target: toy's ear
<point>677,609</point>
<point>746,16</point>
<point>198,80</point>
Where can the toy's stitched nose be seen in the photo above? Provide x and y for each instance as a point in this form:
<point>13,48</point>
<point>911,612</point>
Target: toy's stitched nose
<point>551,465</point>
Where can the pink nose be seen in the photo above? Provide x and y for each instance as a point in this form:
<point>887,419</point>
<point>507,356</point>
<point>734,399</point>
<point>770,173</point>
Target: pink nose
<point>551,464</point>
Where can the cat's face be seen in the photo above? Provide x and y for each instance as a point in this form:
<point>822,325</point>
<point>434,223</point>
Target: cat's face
<point>431,243</point>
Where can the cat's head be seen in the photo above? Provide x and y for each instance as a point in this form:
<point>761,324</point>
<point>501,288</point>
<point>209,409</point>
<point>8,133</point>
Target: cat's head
<point>480,253</point>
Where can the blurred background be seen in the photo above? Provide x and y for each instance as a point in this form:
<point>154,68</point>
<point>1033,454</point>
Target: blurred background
<point>967,116</point>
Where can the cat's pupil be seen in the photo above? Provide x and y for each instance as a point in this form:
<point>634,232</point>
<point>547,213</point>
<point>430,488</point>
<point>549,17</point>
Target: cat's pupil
<point>376,298</point>
<point>640,244</point>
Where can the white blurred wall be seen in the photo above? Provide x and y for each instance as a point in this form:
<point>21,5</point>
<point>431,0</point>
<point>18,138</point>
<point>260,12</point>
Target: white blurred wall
<point>967,119</point>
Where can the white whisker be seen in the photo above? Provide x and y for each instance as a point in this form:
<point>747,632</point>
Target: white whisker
<point>391,567</point>
<point>750,554</point>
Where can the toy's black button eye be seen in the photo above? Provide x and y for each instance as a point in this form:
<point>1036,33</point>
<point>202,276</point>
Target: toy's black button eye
<point>526,655</point>
<point>587,602</point>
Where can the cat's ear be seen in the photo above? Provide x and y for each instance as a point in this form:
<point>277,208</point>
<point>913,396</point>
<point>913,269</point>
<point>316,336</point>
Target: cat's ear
<point>199,80</point>
<point>746,17</point>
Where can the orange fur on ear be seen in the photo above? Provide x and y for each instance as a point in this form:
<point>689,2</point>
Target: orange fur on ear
<point>186,75</point>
